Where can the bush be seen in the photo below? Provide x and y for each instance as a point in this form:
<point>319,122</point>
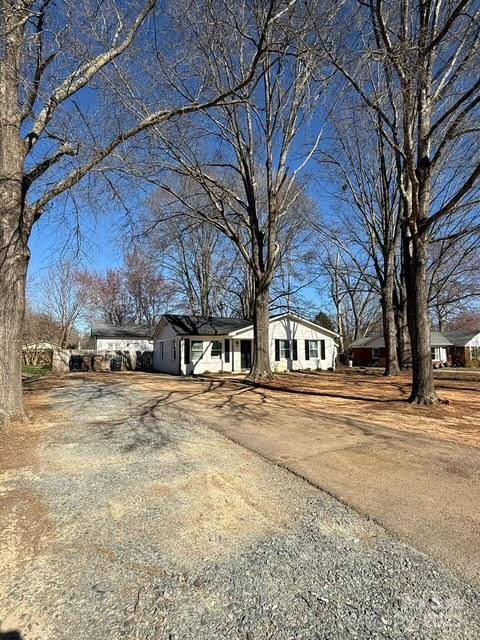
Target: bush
<point>474,363</point>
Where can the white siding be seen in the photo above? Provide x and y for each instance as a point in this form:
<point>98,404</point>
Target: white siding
<point>285,328</point>
<point>288,329</point>
<point>474,342</point>
<point>207,363</point>
<point>167,355</point>
<point>119,344</point>
<point>293,329</point>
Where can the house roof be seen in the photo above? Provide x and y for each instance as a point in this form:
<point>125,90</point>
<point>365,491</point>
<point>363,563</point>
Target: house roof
<point>437,339</point>
<point>363,342</point>
<point>203,326</point>
<point>461,338</point>
<point>133,331</point>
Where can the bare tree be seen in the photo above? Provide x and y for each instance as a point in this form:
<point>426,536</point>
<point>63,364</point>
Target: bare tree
<point>198,260</point>
<point>38,329</point>
<point>149,293</point>
<point>415,67</point>
<point>355,300</point>
<point>63,298</point>
<point>363,165</point>
<point>454,277</point>
<point>247,163</point>
<point>107,298</point>
<point>51,138</point>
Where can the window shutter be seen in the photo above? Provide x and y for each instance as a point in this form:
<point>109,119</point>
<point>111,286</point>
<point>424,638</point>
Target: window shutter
<point>187,351</point>
<point>322,349</point>
<point>277,350</point>
<point>294,349</point>
<point>227,350</point>
<point>307,349</point>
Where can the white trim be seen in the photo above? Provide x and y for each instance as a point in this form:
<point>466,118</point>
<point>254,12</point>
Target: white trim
<point>291,316</point>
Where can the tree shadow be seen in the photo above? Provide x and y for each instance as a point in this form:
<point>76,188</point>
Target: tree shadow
<point>10,635</point>
<point>324,393</point>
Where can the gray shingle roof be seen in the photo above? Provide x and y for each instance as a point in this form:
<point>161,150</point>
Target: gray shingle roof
<point>460,338</point>
<point>201,326</point>
<point>133,331</point>
<point>437,340</point>
<point>362,342</point>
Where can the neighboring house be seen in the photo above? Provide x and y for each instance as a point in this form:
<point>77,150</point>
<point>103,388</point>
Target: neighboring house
<point>189,344</point>
<point>454,348</point>
<point>465,347</point>
<point>109,337</point>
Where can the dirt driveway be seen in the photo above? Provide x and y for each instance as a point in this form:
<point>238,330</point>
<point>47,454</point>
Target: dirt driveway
<point>125,517</point>
<point>414,470</point>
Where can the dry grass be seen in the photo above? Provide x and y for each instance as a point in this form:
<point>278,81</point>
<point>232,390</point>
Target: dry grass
<point>364,397</point>
<point>384,401</point>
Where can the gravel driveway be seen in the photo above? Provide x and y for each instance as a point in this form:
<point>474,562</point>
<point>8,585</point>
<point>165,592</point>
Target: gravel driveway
<point>125,519</point>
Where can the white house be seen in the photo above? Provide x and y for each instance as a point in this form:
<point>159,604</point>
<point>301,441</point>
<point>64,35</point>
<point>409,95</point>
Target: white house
<point>109,337</point>
<point>190,344</point>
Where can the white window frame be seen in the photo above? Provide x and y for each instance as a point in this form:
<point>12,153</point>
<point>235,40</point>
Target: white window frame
<point>219,351</point>
<point>192,350</point>
<point>285,350</point>
<point>313,348</point>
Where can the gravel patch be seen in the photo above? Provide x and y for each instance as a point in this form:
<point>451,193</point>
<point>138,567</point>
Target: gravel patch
<point>136,522</point>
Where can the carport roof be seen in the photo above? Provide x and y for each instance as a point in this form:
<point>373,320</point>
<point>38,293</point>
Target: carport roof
<point>203,326</point>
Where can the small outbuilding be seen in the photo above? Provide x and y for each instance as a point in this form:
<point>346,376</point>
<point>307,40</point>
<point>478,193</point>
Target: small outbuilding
<point>186,344</point>
<point>109,337</point>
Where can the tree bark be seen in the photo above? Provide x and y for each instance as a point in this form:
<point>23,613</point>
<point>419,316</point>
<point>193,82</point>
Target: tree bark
<point>13,276</point>
<point>388,317</point>
<point>14,229</point>
<point>423,388</point>
<point>261,369</point>
<point>403,339</point>
<point>390,335</point>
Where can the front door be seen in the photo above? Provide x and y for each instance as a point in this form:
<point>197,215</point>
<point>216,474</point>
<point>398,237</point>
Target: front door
<point>245,354</point>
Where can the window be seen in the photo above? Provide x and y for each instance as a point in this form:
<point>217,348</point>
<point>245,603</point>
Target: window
<point>216,349</point>
<point>376,353</point>
<point>313,348</point>
<point>285,349</point>
<point>197,350</point>
<point>161,350</point>
<point>435,355</point>
<point>227,350</point>
<point>174,349</point>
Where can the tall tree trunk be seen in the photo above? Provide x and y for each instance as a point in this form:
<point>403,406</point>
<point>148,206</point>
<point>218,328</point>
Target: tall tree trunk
<point>13,275</point>
<point>423,388</point>
<point>261,369</point>
<point>388,317</point>
<point>390,334</point>
<point>401,320</point>
<point>14,229</point>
